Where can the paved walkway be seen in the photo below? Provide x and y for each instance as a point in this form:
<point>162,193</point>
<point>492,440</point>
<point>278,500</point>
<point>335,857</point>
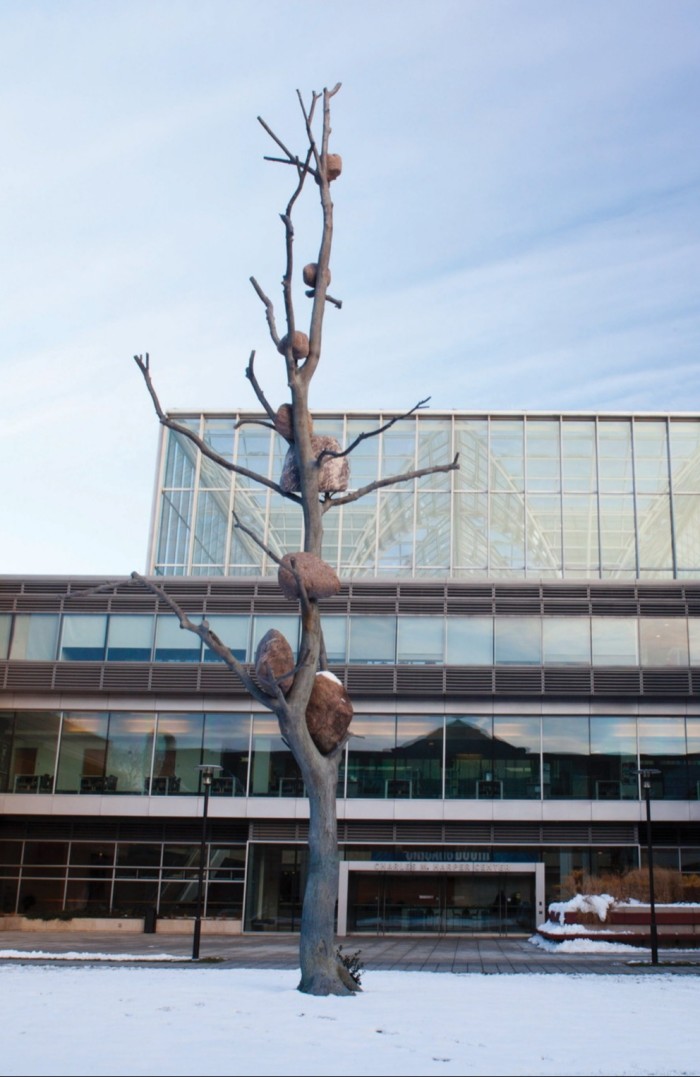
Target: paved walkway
<point>491,956</point>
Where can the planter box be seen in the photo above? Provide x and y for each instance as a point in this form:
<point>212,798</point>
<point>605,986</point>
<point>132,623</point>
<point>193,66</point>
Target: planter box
<point>79,925</point>
<point>209,927</point>
<point>677,925</point>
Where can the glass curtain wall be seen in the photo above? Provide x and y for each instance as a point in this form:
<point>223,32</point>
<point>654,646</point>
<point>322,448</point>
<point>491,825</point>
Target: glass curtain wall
<point>534,497</point>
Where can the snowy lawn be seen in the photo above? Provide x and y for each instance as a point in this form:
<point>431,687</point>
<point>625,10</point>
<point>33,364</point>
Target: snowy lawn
<point>107,1020</point>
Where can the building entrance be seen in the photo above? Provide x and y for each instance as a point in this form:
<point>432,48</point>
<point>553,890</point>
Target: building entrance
<point>441,899</point>
<point>441,904</point>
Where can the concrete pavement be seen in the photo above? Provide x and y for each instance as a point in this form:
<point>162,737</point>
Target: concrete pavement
<point>457,954</point>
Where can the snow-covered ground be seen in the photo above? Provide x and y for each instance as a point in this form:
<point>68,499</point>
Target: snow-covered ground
<point>156,1019</point>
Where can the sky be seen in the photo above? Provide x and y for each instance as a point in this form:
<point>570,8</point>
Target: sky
<point>516,225</point>
<point>191,1021</point>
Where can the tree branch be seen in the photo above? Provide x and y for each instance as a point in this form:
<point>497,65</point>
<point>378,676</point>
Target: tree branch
<point>250,375</point>
<point>316,328</point>
<point>373,433</point>
<point>212,641</point>
<point>329,298</point>
<point>291,158</point>
<point>180,428</point>
<point>269,312</point>
<point>331,502</point>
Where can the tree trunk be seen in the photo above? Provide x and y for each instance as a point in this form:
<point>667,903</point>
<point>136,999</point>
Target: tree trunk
<point>322,973</point>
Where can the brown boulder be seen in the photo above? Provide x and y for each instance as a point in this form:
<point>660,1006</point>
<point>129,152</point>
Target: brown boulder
<point>319,579</point>
<point>300,345</point>
<point>310,273</point>
<point>329,713</point>
<point>284,422</point>
<point>334,473</point>
<point>274,658</point>
<point>334,166</point>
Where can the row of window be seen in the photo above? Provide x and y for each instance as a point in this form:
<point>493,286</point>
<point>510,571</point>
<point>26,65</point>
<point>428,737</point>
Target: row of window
<point>46,878</point>
<point>460,756</point>
<point>476,641</point>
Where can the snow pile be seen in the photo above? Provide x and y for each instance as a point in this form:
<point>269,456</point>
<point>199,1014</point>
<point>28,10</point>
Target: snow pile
<point>598,904</point>
<point>75,955</point>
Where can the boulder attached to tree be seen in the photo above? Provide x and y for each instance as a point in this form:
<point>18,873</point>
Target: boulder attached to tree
<point>284,422</point>
<point>318,578</point>
<point>300,345</point>
<point>310,275</point>
<point>334,472</point>
<point>329,712</point>
<point>274,658</point>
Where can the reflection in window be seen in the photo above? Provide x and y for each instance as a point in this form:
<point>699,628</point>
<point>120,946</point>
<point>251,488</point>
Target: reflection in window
<point>35,636</point>
<point>335,631</point>
<point>83,753</point>
<point>130,638</point>
<point>178,753</point>
<point>518,641</point>
<point>372,760</point>
<point>516,757</point>
<point>83,638</point>
<point>175,644</point>
<point>227,744</point>
<point>613,760</point>
<point>288,626</point>
<point>617,534</point>
<point>233,631</point>
<point>650,457</point>
<point>693,749</point>
<point>566,640</point>
<point>579,457</point>
<point>662,747</point>
<point>565,757</point>
<point>615,456</point>
<point>33,747</point>
<point>372,639</point>
<point>418,758</point>
<point>469,641</point>
<point>663,642</point>
<point>129,751</point>
<point>5,624</point>
<point>614,641</point>
<point>274,771</point>
<point>421,639</point>
<point>469,756</point>
<point>580,534</point>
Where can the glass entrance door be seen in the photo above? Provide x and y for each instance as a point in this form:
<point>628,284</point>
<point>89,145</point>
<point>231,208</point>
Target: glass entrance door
<point>400,903</point>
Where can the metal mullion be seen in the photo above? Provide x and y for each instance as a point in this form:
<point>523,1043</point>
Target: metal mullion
<point>416,494</point>
<point>156,522</point>
<point>597,497</point>
<point>526,495</point>
<point>671,498</point>
<point>561,502</point>
<point>489,466</point>
<point>195,500</point>
<point>638,567</point>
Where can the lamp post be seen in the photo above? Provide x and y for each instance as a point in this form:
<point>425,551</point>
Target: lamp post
<point>646,774</point>
<point>207,770</point>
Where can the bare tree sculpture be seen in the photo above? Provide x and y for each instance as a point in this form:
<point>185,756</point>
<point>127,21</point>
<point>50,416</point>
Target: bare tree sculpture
<point>311,705</point>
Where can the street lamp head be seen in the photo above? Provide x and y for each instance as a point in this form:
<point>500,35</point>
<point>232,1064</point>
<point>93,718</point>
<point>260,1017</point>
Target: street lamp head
<point>646,774</point>
<point>208,772</point>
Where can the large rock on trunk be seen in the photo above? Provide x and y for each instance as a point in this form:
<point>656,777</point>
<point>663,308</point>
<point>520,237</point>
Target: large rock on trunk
<point>329,712</point>
<point>318,578</point>
<point>334,473</point>
<point>274,658</point>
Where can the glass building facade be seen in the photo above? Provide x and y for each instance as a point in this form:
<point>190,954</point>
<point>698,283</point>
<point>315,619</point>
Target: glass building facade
<point>518,638</point>
<point>535,497</point>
